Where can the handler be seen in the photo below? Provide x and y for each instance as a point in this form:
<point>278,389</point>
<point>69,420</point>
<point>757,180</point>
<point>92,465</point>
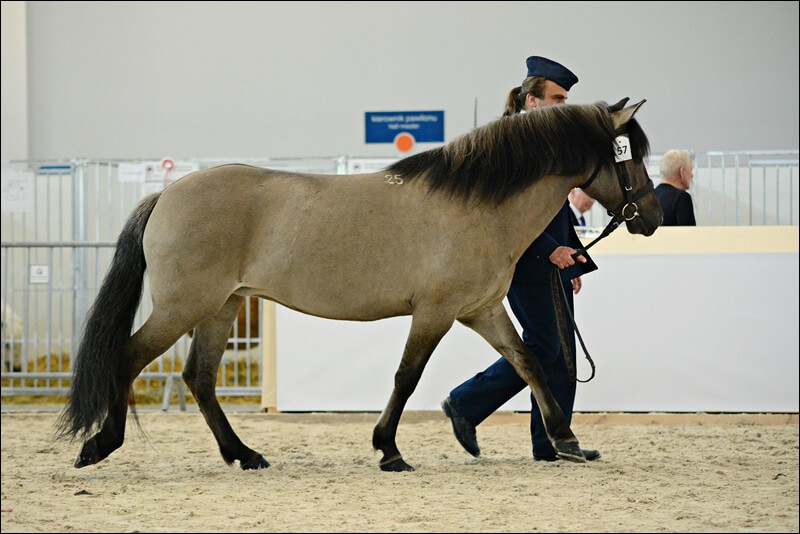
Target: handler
<point>531,299</point>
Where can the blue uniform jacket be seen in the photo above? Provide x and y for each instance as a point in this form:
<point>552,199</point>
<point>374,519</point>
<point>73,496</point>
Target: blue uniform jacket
<point>534,266</point>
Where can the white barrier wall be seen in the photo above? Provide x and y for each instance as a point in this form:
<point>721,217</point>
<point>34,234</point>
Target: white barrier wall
<point>687,320</point>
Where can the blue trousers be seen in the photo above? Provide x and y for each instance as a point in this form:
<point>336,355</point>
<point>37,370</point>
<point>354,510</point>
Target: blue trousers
<point>484,393</point>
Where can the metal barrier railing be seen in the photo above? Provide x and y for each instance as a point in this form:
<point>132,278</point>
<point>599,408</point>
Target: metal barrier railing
<point>42,306</point>
<point>60,221</point>
<point>751,188</point>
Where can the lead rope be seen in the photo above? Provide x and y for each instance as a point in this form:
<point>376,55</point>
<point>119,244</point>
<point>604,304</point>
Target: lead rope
<point>616,219</point>
<point>555,279</point>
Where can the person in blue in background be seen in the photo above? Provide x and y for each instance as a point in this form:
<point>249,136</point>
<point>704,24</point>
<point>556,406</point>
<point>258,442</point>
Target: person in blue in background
<point>530,297</point>
<point>579,203</point>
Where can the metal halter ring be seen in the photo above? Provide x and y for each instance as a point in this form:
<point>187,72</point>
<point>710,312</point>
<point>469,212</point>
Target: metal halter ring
<point>635,211</point>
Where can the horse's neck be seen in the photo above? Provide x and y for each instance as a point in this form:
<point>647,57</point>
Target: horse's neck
<point>529,213</point>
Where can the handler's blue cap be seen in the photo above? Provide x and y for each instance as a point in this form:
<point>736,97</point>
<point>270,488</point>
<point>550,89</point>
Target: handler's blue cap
<point>549,69</point>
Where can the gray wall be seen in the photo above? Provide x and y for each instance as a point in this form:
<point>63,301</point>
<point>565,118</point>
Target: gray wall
<point>292,79</point>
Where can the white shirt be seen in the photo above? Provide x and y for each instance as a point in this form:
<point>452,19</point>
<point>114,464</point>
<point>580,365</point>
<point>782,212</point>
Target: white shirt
<point>577,213</point>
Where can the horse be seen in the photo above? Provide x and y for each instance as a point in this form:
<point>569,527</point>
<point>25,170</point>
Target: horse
<point>436,235</point>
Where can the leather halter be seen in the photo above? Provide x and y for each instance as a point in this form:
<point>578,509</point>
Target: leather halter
<point>627,210</point>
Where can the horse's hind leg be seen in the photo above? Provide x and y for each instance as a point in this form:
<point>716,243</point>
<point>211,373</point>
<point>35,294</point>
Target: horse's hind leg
<point>109,438</point>
<point>200,374</point>
<point>161,330</point>
<point>423,338</point>
<point>494,325</point>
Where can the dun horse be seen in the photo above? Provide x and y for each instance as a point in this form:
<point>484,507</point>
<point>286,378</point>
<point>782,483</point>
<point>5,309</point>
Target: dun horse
<point>435,236</point>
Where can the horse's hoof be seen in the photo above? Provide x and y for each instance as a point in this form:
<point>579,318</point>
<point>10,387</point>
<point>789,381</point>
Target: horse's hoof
<point>396,466</point>
<point>572,458</point>
<point>570,450</point>
<point>256,462</point>
<point>89,454</point>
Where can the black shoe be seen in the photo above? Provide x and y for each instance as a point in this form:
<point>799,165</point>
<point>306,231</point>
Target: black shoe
<point>463,429</point>
<point>590,455</point>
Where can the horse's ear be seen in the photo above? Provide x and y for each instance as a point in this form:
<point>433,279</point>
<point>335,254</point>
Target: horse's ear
<point>623,116</point>
<point>619,105</point>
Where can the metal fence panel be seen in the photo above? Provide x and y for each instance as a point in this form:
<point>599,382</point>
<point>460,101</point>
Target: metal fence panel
<point>753,188</point>
<point>60,222</point>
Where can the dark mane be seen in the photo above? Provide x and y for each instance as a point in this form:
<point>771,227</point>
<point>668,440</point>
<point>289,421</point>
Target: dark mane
<point>500,159</point>
<point>640,146</point>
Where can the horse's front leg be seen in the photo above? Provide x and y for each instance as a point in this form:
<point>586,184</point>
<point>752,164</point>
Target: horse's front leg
<point>425,334</point>
<point>200,374</point>
<point>494,325</point>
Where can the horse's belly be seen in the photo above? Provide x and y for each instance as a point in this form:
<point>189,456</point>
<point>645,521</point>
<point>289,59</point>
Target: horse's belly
<point>360,291</point>
<point>336,301</point>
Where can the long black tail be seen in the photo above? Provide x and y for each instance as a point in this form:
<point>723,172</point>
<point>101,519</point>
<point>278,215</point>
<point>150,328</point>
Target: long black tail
<point>108,326</point>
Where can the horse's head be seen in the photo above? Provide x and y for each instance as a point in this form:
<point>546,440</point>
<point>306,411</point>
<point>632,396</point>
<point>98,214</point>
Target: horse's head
<point>625,188</point>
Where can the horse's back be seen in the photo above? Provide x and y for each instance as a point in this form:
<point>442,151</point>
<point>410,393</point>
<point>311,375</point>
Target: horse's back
<point>339,246</point>
<point>265,232</point>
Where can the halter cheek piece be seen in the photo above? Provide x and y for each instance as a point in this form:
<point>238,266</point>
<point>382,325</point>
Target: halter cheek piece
<point>628,209</point>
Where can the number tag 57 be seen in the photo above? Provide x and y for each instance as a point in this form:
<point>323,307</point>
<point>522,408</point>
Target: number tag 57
<point>622,149</point>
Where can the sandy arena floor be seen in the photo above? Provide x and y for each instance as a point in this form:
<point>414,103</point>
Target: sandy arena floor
<point>686,474</point>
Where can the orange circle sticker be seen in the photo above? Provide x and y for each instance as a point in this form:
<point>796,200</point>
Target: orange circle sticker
<point>404,142</point>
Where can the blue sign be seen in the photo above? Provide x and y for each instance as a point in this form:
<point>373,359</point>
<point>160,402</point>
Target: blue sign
<point>385,126</point>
